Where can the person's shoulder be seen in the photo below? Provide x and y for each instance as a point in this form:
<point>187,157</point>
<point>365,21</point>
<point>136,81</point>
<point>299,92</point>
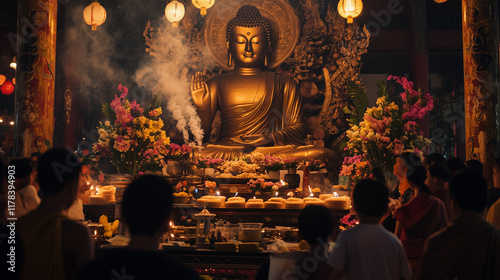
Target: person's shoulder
<point>137,263</point>
<point>74,228</point>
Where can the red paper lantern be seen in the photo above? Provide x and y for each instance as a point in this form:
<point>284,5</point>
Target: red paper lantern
<point>7,88</point>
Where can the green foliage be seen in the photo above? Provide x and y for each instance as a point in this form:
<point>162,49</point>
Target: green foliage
<point>360,103</point>
<point>153,105</point>
<point>382,89</point>
<point>108,112</point>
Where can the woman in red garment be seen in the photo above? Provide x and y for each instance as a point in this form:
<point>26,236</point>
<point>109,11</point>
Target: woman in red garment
<point>422,216</point>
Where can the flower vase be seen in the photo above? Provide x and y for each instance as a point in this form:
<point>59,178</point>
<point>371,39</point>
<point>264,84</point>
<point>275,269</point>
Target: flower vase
<point>210,172</point>
<point>120,182</point>
<point>292,178</point>
<point>174,168</point>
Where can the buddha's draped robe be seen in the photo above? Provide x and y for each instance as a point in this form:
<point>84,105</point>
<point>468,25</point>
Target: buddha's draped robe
<point>278,113</point>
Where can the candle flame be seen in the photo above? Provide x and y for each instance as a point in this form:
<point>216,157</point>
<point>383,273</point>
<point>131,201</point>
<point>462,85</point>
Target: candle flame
<point>335,194</point>
<point>92,187</point>
<point>218,193</point>
<point>235,195</point>
<point>282,182</point>
<point>254,197</point>
<point>172,235</point>
<point>95,232</point>
<point>88,183</point>
<point>289,194</point>
<point>171,224</point>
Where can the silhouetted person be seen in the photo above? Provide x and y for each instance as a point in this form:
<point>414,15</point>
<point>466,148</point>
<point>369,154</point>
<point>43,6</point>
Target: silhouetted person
<point>455,165</point>
<point>368,251</point>
<point>55,247</point>
<point>475,164</point>
<point>469,247</point>
<point>146,209</point>
<point>315,227</point>
<point>434,158</point>
<point>494,192</point>
<point>437,181</point>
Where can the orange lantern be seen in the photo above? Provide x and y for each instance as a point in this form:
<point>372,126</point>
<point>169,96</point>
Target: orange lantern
<point>350,9</point>
<point>94,15</point>
<point>2,79</point>
<point>7,88</point>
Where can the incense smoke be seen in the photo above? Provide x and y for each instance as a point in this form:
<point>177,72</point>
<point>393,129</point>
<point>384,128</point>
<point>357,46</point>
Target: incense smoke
<point>166,74</point>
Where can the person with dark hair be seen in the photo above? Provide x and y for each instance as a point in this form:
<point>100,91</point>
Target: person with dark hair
<point>475,164</point>
<point>368,251</point>
<point>420,217</point>
<point>27,197</point>
<point>315,227</point>
<point>434,158</point>
<point>469,247</point>
<point>437,181</point>
<point>455,165</point>
<point>403,193</point>
<point>55,247</point>
<point>377,174</point>
<point>146,208</point>
<point>494,192</point>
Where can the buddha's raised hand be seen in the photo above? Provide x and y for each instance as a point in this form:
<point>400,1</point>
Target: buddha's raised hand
<point>199,91</point>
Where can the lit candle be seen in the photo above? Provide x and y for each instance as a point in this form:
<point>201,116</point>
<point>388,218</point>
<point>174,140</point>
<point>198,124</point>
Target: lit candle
<point>335,194</point>
<point>236,194</point>
<point>218,193</point>
<point>310,191</point>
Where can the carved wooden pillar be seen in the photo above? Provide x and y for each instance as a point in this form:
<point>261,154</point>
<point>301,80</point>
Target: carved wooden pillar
<point>480,48</point>
<point>419,55</point>
<point>35,77</point>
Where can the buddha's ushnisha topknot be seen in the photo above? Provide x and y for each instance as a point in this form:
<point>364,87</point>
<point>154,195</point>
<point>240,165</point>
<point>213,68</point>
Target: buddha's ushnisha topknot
<point>248,16</point>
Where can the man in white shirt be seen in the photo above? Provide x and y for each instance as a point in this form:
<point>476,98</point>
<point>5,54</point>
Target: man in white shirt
<point>27,197</point>
<point>368,251</point>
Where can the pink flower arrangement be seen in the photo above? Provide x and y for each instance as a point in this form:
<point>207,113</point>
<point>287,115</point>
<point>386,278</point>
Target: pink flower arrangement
<point>131,138</point>
<point>385,131</point>
<point>260,185</point>
<point>347,222</point>
<point>272,163</point>
<point>178,152</point>
<point>209,162</point>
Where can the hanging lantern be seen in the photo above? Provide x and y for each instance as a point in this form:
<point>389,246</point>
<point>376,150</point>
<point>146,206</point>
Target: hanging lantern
<point>7,88</point>
<point>13,81</point>
<point>350,9</point>
<point>94,15</point>
<point>174,12</point>
<point>2,79</point>
<point>203,5</point>
<point>440,1</point>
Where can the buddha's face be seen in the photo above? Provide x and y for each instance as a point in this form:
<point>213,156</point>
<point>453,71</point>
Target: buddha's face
<point>248,45</point>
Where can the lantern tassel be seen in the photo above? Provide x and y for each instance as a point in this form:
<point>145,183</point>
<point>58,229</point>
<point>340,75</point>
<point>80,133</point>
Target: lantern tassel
<point>203,11</point>
<point>349,20</point>
<point>175,24</point>
<point>94,27</point>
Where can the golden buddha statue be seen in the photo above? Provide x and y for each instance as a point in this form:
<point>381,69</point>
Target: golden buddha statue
<point>260,111</point>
